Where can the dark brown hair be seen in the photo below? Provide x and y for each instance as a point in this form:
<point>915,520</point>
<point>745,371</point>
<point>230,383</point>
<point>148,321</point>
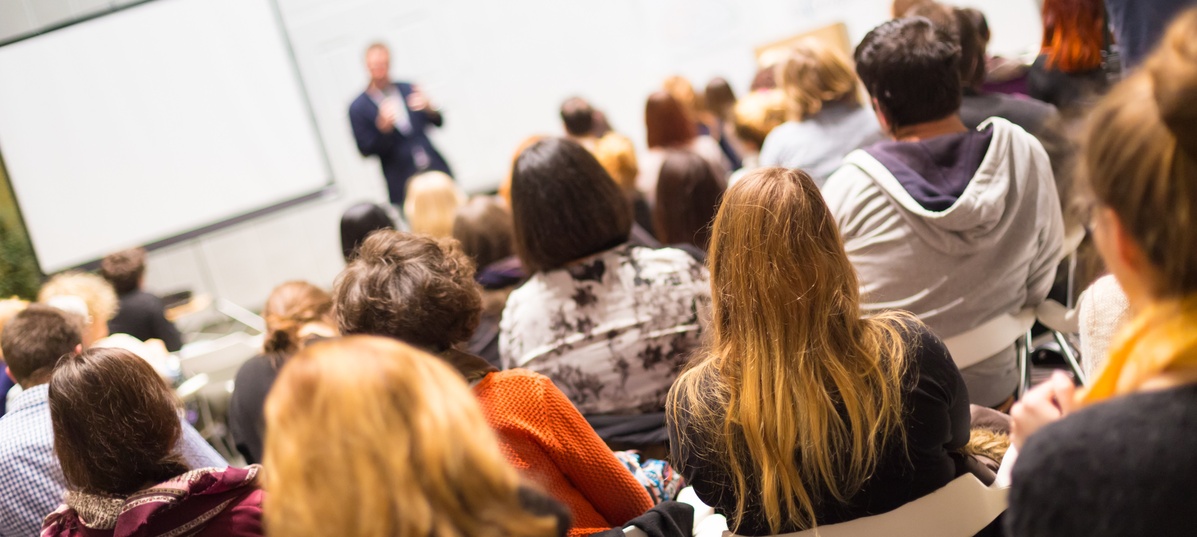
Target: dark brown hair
<point>688,194</point>
<point>115,421</point>
<point>36,338</point>
<point>972,48</point>
<point>911,67</point>
<point>358,222</point>
<point>483,226</point>
<point>410,287</point>
<point>565,205</point>
<point>720,98</point>
<point>666,122</point>
<point>124,269</point>
<point>578,116</point>
<point>291,306</point>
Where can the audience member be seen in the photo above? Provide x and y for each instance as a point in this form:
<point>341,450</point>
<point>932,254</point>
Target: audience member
<point>618,156</point>
<point>1117,458</point>
<point>421,291</point>
<point>115,424</point>
<point>358,222</point>
<point>295,312</point>
<point>9,308</point>
<point>801,411</point>
<point>611,323</point>
<point>718,100</point>
<point>505,185</point>
<point>410,452</point>
<point>139,314</point>
<point>754,117</point>
<point>670,128</point>
<point>431,203</point>
<point>578,118</point>
<point>1068,71</point>
<point>1102,311</point>
<point>31,478</point>
<point>688,194</point>
<point>1138,25</point>
<point>901,8</point>
<point>484,228</point>
<point>91,297</point>
<point>826,119</point>
<point>959,227</point>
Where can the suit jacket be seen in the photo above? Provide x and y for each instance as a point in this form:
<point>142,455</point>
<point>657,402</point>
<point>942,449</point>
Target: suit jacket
<point>394,149</point>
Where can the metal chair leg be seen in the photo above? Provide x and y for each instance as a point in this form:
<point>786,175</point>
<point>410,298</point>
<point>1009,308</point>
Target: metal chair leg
<point>1070,357</point>
<point>1023,350</point>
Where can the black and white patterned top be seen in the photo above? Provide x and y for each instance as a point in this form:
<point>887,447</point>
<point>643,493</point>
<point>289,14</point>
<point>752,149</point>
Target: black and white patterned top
<point>611,331</point>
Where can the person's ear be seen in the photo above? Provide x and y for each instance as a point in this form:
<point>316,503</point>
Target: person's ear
<point>8,371</point>
<point>881,118</point>
<point>79,349</point>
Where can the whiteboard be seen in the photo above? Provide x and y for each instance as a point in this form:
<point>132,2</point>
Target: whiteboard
<point>152,122</point>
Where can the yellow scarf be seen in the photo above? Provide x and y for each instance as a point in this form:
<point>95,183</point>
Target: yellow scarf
<point>1161,339</point>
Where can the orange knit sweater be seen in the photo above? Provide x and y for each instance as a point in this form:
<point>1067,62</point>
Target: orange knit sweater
<point>550,443</point>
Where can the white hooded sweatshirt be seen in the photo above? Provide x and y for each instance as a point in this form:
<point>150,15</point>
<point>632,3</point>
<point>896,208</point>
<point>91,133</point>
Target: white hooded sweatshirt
<point>955,258</point>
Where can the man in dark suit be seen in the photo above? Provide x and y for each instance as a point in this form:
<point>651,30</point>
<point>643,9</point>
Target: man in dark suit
<point>389,120</point>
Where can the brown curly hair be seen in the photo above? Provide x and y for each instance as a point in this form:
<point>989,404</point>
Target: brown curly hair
<point>414,288</point>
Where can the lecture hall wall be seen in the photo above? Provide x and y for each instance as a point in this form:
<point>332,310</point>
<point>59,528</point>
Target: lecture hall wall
<point>499,70</point>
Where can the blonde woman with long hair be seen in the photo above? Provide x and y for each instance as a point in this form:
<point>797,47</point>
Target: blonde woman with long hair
<point>825,119</point>
<point>1117,458</point>
<point>800,412</point>
<point>369,437</point>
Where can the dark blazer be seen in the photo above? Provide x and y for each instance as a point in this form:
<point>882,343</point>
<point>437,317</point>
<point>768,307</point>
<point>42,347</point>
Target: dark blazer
<point>395,150</point>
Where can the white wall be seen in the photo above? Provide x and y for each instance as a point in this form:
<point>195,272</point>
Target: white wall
<point>499,70</point>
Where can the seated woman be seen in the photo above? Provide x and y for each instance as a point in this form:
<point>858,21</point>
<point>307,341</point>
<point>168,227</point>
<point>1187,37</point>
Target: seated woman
<point>609,322</point>
<point>801,412</point>
<point>411,453</point>
<point>294,312</point>
<point>483,226</point>
<point>826,119</point>
<point>115,423</point>
<point>359,221</point>
<point>421,291</point>
<point>688,194</point>
<point>1121,461</point>
<point>432,201</point>
<point>669,127</point>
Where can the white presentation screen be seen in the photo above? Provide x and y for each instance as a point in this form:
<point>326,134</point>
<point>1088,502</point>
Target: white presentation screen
<point>152,122</point>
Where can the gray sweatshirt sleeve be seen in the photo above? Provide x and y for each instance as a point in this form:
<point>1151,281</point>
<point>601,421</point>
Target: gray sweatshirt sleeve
<point>1050,245</point>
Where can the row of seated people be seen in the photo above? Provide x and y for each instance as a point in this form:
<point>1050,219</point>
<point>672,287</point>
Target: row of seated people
<point>802,402</point>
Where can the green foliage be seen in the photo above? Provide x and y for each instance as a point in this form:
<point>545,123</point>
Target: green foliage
<point>19,274</point>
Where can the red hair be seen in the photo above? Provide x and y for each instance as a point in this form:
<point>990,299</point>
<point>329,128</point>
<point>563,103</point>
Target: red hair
<point>1073,34</point>
<point>666,122</point>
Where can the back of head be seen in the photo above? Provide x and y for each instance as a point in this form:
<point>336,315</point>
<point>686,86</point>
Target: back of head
<point>95,292</point>
<point>36,338</point>
<point>666,122</point>
<point>815,74</point>
<point>578,117</point>
<point>901,8</point>
<point>410,287</point>
<point>565,206</point>
<point>683,91</point>
<point>719,97</point>
<point>1140,156</point>
<point>432,201</point>
<point>757,114</point>
<point>358,222</point>
<point>1073,34</point>
<point>124,269</point>
<point>9,308</point>
<point>688,194</point>
<point>411,451</point>
<point>617,155</point>
<point>505,185</point>
<point>788,334</point>
<point>483,226</point>
<point>116,422</point>
<point>911,68</point>
<point>290,307</point>
<point>972,48</point>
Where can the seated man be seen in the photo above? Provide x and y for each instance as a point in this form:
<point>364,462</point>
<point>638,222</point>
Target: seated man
<point>957,226</point>
<point>31,480</point>
<point>141,314</point>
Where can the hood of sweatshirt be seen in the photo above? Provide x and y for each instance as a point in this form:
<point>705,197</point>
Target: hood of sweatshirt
<point>956,190</point>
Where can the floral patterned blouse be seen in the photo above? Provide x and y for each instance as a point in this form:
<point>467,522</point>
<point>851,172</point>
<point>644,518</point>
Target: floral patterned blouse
<point>613,330</point>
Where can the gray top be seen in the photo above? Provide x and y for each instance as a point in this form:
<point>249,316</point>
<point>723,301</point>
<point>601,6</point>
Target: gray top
<point>817,144</point>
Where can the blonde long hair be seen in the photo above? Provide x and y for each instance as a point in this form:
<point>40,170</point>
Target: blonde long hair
<point>370,437</point>
<point>815,74</point>
<point>431,203</point>
<point>793,367</point>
